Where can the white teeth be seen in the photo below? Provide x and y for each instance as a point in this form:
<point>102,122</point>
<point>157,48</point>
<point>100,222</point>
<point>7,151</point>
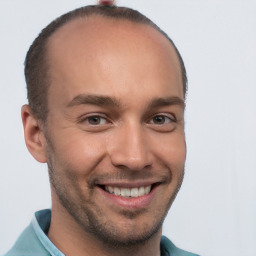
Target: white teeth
<point>134,192</point>
<point>129,192</point>
<point>141,191</point>
<point>125,192</point>
<point>110,189</point>
<point>117,191</point>
<point>147,189</point>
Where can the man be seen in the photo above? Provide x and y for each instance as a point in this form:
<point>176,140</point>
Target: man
<point>106,90</point>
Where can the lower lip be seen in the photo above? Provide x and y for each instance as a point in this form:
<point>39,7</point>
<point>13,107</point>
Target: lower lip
<point>130,202</point>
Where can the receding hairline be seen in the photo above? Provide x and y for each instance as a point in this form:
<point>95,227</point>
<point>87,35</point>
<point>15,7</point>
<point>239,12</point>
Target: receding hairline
<point>37,62</point>
<point>98,16</point>
<point>80,24</point>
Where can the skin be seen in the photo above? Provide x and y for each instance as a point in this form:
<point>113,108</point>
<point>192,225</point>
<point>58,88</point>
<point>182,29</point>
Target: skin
<point>116,117</point>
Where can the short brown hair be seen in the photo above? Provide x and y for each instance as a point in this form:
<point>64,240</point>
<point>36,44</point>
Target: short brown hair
<point>36,68</point>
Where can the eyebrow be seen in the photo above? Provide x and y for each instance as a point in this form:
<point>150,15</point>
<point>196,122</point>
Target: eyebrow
<point>169,101</point>
<point>104,101</point>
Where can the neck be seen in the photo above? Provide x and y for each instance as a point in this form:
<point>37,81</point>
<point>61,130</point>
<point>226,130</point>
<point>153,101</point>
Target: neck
<point>71,239</point>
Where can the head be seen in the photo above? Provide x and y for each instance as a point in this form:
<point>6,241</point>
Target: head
<point>36,64</point>
<point>106,90</point>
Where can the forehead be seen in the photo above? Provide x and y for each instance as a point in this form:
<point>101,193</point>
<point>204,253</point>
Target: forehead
<point>111,30</point>
<point>105,54</point>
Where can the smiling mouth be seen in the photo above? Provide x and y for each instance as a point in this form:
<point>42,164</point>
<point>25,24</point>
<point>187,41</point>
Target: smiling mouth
<point>128,192</point>
<point>128,195</point>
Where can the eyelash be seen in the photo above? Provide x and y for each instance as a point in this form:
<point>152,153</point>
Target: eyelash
<point>99,116</point>
<point>165,116</point>
<point>171,118</point>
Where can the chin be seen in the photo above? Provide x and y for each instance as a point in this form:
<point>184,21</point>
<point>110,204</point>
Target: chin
<point>127,235</point>
<point>122,229</point>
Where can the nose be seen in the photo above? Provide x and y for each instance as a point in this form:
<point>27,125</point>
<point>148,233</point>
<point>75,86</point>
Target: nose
<point>129,148</point>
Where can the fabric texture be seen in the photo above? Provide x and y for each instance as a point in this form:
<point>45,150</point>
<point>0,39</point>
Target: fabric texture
<point>33,241</point>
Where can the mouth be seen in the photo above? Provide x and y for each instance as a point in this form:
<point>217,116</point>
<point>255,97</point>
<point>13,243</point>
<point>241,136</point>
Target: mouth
<point>127,195</point>
<point>128,192</point>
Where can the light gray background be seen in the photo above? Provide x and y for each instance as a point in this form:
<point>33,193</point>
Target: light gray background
<point>215,211</point>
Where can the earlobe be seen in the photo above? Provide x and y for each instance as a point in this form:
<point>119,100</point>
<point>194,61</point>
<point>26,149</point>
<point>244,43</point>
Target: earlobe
<point>34,136</point>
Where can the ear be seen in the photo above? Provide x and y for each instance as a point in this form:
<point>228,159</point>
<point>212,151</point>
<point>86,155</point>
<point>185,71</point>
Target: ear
<point>34,136</point>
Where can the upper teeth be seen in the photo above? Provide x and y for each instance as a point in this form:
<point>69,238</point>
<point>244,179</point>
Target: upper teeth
<point>128,192</point>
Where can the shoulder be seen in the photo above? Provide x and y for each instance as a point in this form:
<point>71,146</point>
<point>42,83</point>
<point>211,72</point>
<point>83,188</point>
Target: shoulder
<point>168,248</point>
<point>27,245</point>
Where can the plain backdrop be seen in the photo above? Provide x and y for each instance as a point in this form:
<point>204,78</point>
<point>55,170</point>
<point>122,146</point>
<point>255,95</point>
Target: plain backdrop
<point>215,211</point>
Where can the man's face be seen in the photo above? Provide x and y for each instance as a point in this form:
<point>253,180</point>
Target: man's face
<point>115,129</point>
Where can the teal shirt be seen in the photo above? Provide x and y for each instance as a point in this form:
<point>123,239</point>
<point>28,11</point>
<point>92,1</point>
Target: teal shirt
<point>34,242</point>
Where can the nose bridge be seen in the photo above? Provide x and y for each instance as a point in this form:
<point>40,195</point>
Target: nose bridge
<point>129,147</point>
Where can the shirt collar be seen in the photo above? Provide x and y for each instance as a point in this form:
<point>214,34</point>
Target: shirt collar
<point>41,223</point>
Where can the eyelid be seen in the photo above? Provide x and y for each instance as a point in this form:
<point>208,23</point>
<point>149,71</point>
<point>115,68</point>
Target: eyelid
<point>172,117</point>
<point>100,115</point>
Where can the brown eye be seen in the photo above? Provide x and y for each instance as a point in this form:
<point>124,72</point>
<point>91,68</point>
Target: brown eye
<point>96,120</point>
<point>160,120</point>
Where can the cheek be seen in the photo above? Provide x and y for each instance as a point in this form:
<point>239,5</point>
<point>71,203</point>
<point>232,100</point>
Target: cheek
<point>79,153</point>
<point>171,149</point>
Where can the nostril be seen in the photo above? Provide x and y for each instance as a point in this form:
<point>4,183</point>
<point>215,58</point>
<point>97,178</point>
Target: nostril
<point>131,163</point>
